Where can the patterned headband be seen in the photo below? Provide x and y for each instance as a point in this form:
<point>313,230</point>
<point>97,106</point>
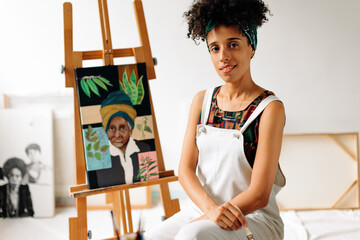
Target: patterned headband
<point>250,32</point>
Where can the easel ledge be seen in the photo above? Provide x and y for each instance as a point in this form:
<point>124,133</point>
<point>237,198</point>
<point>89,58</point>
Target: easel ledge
<point>82,190</point>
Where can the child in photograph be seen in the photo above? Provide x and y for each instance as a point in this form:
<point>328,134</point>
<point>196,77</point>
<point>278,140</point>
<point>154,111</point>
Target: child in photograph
<point>15,198</point>
<point>36,170</point>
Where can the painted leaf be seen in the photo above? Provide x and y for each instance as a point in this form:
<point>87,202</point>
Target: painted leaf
<point>140,90</point>
<point>104,80</point>
<point>88,147</point>
<point>104,148</point>
<point>93,87</point>
<point>152,168</point>
<point>150,163</point>
<point>147,129</point>
<point>98,156</point>
<point>154,174</point>
<point>122,86</point>
<point>87,135</point>
<point>125,81</point>
<point>134,92</point>
<point>97,145</point>
<point>94,139</point>
<point>133,77</point>
<point>85,87</point>
<point>141,171</point>
<point>90,129</point>
<point>138,175</point>
<point>138,126</point>
<point>100,83</point>
<point>90,154</point>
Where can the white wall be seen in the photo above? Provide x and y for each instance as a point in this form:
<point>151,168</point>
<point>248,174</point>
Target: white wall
<point>308,54</point>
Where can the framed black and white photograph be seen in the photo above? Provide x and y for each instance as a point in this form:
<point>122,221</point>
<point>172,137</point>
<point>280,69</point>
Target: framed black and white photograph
<point>26,162</point>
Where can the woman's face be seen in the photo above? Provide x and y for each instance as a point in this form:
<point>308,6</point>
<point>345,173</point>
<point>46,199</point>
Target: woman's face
<point>230,53</point>
<point>119,132</point>
<point>15,177</point>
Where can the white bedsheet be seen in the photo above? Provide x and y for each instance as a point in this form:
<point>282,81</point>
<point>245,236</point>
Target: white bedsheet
<point>322,224</point>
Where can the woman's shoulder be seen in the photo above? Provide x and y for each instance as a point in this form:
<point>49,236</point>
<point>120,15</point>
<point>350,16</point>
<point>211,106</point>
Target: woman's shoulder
<point>199,96</point>
<point>274,110</point>
<point>198,100</point>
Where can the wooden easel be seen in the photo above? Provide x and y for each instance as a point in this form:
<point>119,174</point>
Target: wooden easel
<point>115,195</point>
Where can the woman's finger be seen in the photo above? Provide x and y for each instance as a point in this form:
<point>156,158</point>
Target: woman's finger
<point>240,215</point>
<point>223,225</point>
<point>235,223</point>
<point>229,218</point>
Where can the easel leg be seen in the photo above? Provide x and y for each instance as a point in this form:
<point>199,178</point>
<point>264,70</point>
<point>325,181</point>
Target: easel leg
<point>119,210</point>
<point>128,210</point>
<point>78,225</point>
<point>171,206</point>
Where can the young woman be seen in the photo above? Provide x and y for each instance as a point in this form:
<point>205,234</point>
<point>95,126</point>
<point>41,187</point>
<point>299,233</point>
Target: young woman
<point>229,163</point>
<point>15,198</point>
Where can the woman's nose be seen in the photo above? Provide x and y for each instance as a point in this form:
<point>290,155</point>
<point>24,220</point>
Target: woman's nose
<point>224,55</point>
<point>117,133</point>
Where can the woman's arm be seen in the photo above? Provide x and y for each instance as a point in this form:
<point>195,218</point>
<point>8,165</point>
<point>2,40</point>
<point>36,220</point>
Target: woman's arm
<point>189,159</point>
<point>267,156</point>
<point>222,215</point>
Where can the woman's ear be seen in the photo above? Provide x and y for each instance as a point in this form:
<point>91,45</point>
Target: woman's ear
<point>252,53</point>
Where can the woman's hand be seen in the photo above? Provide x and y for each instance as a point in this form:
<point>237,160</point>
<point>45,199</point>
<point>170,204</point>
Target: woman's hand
<point>227,216</point>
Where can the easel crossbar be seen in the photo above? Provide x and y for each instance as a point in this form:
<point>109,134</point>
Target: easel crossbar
<point>99,54</point>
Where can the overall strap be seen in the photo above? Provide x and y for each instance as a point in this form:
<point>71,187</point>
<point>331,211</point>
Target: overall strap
<point>263,104</point>
<point>206,105</point>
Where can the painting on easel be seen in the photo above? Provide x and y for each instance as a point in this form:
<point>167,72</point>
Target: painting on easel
<point>116,123</point>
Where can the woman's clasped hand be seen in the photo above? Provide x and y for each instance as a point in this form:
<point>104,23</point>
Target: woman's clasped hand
<point>227,216</point>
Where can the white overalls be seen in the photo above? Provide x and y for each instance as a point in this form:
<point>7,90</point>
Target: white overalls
<point>224,172</point>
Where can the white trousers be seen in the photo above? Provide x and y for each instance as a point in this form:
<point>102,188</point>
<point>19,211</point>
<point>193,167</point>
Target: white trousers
<point>179,227</point>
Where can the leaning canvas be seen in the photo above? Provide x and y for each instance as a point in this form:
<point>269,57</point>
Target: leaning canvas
<point>116,123</point>
<point>26,163</point>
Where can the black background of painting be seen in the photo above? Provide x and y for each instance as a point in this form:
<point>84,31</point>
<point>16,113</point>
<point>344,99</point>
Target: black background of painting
<point>111,74</point>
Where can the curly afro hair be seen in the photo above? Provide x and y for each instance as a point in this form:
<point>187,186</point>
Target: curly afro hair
<point>14,163</point>
<point>241,13</point>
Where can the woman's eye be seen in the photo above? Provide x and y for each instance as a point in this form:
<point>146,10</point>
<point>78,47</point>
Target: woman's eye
<point>214,49</point>
<point>232,45</point>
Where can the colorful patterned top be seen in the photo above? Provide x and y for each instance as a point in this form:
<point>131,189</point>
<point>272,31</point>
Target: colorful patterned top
<point>235,120</point>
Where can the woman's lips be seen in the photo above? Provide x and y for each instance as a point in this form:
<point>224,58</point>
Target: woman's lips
<point>227,68</point>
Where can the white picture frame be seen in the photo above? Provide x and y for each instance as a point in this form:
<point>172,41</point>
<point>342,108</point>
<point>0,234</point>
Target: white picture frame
<point>22,128</point>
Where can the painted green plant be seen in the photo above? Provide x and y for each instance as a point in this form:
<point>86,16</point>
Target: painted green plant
<point>146,166</point>
<point>91,83</point>
<point>94,148</point>
<point>143,127</point>
<point>133,88</point>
